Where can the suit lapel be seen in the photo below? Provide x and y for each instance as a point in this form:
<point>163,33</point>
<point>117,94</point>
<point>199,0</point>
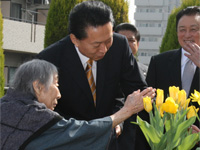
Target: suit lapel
<point>175,73</point>
<point>100,79</point>
<point>174,66</point>
<point>195,82</point>
<point>74,66</point>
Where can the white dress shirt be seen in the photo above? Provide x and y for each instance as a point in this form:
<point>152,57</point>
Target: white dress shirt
<point>84,60</point>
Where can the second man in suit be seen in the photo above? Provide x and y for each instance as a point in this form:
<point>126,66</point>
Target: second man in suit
<point>128,135</point>
<point>168,69</point>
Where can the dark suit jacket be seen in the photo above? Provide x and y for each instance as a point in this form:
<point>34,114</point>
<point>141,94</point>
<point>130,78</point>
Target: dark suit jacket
<point>118,67</point>
<point>165,70</point>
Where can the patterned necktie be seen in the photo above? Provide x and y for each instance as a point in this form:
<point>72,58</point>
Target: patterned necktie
<point>188,74</point>
<point>91,79</point>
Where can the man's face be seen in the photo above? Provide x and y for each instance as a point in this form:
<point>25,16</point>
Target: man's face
<point>189,30</point>
<point>99,40</point>
<point>132,41</point>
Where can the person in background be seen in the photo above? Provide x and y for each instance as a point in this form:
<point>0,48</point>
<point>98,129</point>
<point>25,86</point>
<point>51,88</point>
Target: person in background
<point>29,122</point>
<point>129,135</point>
<point>180,67</point>
<point>133,37</point>
<point>93,64</point>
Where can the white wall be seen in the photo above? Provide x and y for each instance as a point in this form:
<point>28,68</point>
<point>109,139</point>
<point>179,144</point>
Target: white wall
<point>23,37</point>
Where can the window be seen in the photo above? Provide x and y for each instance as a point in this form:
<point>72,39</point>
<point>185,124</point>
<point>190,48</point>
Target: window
<point>151,24</point>
<point>152,10</point>
<point>142,39</point>
<point>8,74</point>
<point>38,2</point>
<point>152,39</point>
<point>15,13</point>
<point>143,54</point>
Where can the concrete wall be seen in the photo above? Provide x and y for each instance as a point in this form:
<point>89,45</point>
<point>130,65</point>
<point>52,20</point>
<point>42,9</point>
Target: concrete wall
<point>23,37</point>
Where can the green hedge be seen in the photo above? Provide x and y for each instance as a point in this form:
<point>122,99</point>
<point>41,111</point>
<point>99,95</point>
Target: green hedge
<point>1,57</point>
<point>57,21</point>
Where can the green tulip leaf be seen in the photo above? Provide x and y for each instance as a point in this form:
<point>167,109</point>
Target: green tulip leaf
<point>163,143</point>
<point>181,118</point>
<point>182,128</point>
<point>149,131</point>
<point>189,142</point>
<point>159,125</point>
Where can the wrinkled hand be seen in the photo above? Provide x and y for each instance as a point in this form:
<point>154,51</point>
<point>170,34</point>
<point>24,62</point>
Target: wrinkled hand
<point>150,93</point>
<point>118,130</point>
<point>194,51</point>
<point>132,105</point>
<point>134,101</point>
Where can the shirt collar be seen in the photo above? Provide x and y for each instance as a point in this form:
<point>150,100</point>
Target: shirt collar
<point>185,59</point>
<point>83,58</point>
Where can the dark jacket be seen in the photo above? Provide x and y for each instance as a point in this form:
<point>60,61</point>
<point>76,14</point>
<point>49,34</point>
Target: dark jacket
<point>117,68</point>
<point>23,118</point>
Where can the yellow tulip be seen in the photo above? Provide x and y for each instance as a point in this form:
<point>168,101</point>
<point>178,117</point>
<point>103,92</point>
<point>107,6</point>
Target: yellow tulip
<point>159,97</point>
<point>195,97</point>
<point>187,103</point>
<point>170,106</point>
<point>192,112</point>
<point>182,98</point>
<point>147,103</point>
<point>173,92</point>
<point>161,111</point>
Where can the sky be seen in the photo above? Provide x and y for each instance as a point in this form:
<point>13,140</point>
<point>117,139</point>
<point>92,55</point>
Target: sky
<point>131,11</point>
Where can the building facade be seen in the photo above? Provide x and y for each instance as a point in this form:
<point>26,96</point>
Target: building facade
<point>151,18</point>
<point>23,32</point>
<point>24,26</point>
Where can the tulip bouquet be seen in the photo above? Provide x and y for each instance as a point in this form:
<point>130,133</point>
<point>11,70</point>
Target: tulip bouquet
<point>170,121</point>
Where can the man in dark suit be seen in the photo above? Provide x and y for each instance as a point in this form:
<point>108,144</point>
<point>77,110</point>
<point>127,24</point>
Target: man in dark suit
<point>128,135</point>
<point>91,38</point>
<point>167,69</point>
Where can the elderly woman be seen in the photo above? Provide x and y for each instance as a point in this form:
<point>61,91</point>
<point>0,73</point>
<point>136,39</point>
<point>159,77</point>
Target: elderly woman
<point>29,122</point>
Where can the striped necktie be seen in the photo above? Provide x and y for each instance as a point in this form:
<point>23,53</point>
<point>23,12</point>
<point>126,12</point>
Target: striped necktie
<point>91,79</point>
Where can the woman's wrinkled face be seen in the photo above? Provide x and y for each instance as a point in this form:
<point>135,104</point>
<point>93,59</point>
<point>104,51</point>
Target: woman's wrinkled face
<point>51,95</point>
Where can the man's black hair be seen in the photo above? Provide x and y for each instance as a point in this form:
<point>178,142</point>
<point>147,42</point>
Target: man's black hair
<point>129,27</point>
<point>189,11</point>
<point>86,14</point>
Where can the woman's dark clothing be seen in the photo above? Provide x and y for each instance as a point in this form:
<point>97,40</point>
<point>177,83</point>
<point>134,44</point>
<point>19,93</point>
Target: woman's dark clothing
<point>28,124</point>
<point>22,119</point>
